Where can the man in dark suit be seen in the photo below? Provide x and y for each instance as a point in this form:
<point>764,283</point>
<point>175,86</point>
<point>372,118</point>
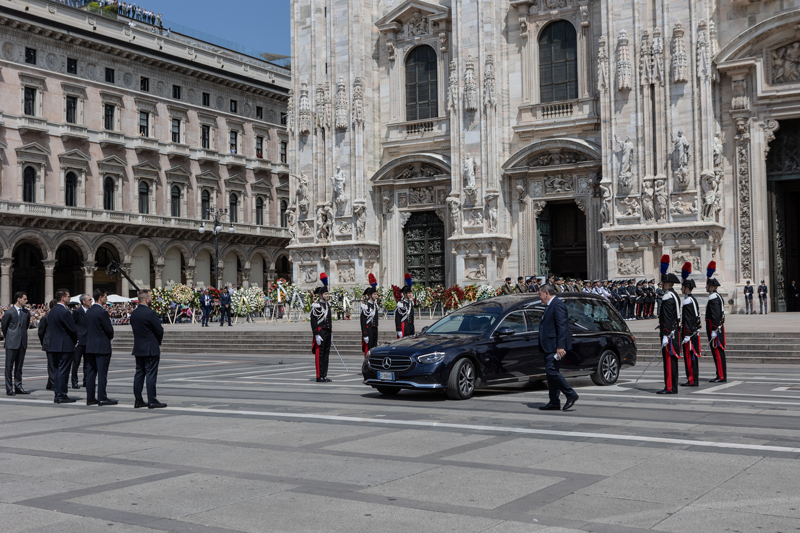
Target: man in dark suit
<point>63,337</point>
<point>205,305</point>
<point>224,306</point>
<point>44,339</point>
<point>99,334</point>
<point>147,335</point>
<point>79,315</point>
<point>15,331</point>
<point>554,341</point>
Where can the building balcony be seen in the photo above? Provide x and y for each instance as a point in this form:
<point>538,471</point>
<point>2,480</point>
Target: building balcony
<point>579,113</point>
<point>234,160</point>
<point>32,125</point>
<point>177,150</point>
<point>73,132</point>
<point>260,165</point>
<point>111,138</point>
<point>280,168</point>
<point>422,132</point>
<point>145,144</point>
<point>207,156</point>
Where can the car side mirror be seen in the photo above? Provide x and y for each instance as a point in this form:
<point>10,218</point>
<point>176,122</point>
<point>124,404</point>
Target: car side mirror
<point>424,330</point>
<point>504,332</point>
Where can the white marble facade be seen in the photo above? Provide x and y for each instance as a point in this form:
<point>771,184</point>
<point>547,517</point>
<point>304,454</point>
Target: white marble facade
<point>661,140</point>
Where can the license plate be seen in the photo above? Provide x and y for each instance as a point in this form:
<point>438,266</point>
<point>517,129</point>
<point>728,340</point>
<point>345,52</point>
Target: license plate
<point>386,376</point>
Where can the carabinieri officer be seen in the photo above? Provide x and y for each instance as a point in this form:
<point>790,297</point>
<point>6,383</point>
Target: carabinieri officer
<point>404,315</point>
<point>669,321</point>
<point>369,320</point>
<point>690,328</point>
<point>321,329</point>
<point>715,325</point>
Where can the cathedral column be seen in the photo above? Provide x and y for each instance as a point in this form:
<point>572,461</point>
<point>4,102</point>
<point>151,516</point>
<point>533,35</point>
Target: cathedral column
<point>5,281</point>
<point>158,270</point>
<point>88,275</point>
<point>49,266</point>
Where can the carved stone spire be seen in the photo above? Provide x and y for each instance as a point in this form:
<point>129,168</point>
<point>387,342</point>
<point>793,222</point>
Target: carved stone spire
<point>452,94</point>
<point>680,63</point>
<point>341,105</point>
<point>290,113</point>
<point>470,86</point>
<point>358,102</point>
<point>703,59</point>
<point>489,83</point>
<point>646,60</point>
<point>602,65</point>
<point>304,110</point>
<point>623,62</point>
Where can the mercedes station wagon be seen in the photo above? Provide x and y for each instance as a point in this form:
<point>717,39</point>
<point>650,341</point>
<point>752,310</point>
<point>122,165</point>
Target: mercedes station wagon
<point>495,342</point>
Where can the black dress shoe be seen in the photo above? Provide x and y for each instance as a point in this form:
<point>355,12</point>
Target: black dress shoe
<point>64,400</point>
<point>140,404</point>
<point>107,402</point>
<point>49,387</point>
<point>20,390</point>
<point>687,384</point>
<point>10,393</point>
<point>92,402</point>
<point>156,405</point>
<point>665,391</point>
<point>570,402</point>
<point>324,380</point>
<point>550,407</point>
<point>76,386</point>
<point>715,380</point>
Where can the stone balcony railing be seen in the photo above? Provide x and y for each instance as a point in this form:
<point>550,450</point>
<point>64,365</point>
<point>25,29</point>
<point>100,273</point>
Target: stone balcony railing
<point>85,213</point>
<point>145,144</point>
<point>73,132</point>
<point>260,165</point>
<point>556,115</point>
<point>417,130</point>
<point>207,156</point>
<point>177,150</point>
<point>111,138</point>
<point>27,124</point>
<point>233,160</point>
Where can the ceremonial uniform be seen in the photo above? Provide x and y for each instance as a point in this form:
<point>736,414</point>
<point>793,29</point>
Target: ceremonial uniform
<point>715,329</point>
<point>639,301</point>
<point>404,318</point>
<point>369,326</point>
<point>669,322</point>
<point>520,288</point>
<point>507,287</point>
<point>649,300</point>
<point>321,328</point>
<point>690,333</point>
<point>631,301</point>
<point>748,299</point>
<point>763,306</point>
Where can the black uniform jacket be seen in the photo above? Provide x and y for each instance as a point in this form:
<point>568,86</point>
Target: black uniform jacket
<point>99,331</point>
<point>715,313</point>
<point>369,317</point>
<point>320,317</point>
<point>44,333</point>
<point>691,316</point>
<point>404,313</point>
<point>669,318</point>
<point>63,334</point>
<point>147,332</point>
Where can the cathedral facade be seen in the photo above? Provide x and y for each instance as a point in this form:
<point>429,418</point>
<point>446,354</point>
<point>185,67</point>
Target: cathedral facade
<point>467,141</point>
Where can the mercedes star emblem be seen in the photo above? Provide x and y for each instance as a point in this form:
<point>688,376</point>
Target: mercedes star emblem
<point>387,363</point>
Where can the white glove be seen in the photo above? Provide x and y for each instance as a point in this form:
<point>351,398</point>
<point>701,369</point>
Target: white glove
<point>714,334</point>
<point>399,334</point>
<point>686,340</point>
<point>319,340</point>
<point>664,341</point>
<point>366,340</point>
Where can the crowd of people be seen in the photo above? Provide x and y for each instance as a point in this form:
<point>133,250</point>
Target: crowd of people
<point>116,311</point>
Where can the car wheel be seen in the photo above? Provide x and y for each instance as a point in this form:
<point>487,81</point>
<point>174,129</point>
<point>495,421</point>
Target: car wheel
<point>607,371</point>
<point>387,391</point>
<point>461,382</point>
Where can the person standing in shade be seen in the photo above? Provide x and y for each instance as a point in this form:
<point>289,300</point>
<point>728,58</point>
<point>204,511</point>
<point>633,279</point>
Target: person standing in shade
<point>224,306</point>
<point>321,329</point>
<point>63,337</point>
<point>554,341</point>
<point>14,325</point>
<point>748,298</point>
<point>99,333</point>
<point>715,325</point>
<point>669,323</point>
<point>690,328</point>
<point>369,320</point>
<point>404,314</point>
<point>763,304</point>
<point>79,316</point>
<point>147,335</point>
<point>44,340</point>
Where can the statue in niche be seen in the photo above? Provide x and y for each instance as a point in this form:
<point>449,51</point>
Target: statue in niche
<point>360,210</point>
<point>455,213</point>
<point>302,193</point>
<point>339,196</point>
<point>626,147</point>
<point>418,25</point>
<point>493,218</point>
<point>719,140</point>
<point>711,194</point>
<point>647,200</point>
<point>605,207</point>
<point>325,219</point>
<point>682,152</point>
<point>469,171</point>
<point>661,199</point>
<point>291,221</point>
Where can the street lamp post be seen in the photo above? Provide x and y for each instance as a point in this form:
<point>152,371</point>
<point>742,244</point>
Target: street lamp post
<point>218,216</point>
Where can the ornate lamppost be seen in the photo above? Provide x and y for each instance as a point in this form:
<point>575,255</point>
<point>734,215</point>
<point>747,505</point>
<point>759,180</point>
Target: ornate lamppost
<point>218,215</point>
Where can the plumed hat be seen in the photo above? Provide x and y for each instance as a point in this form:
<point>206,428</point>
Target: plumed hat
<point>372,281</point>
<point>324,278</point>
<point>408,280</point>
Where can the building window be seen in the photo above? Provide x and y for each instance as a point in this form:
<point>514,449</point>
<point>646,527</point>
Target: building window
<point>259,112</point>
<point>108,119</point>
<point>206,99</point>
<point>284,207</point>
<point>108,194</point>
<point>144,198</point>
<point>176,92</point>
<point>234,208</point>
<point>205,137</point>
<point>284,118</point>
<point>72,110</point>
<point>72,66</point>
<point>144,84</point>
<point>70,187</point>
<point>144,123</point>
<point>283,152</point>
<point>29,185</point>
<point>421,84</point>
<point>30,101</point>
<point>558,62</point>
<point>260,147</point>
<point>234,141</point>
<point>30,56</point>
<point>176,201</point>
<point>205,204</point>
<point>109,75</point>
<point>234,106</point>
<point>259,212</point>
<point>176,130</point>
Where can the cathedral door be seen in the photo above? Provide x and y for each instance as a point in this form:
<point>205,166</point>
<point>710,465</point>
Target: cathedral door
<point>567,240</point>
<point>424,248</point>
<point>543,225</point>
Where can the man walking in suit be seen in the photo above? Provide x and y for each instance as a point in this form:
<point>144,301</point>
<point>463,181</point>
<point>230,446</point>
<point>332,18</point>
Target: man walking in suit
<point>79,315</point>
<point>224,306</point>
<point>554,341</point>
<point>15,331</point>
<point>63,337</point>
<point>44,339</point>
<point>205,305</point>
<point>99,333</point>
<point>147,335</point>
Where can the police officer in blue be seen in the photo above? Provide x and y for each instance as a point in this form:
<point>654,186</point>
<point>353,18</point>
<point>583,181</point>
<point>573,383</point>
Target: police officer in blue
<point>748,298</point>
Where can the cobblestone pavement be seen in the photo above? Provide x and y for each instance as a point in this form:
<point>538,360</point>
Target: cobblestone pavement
<point>248,444</point>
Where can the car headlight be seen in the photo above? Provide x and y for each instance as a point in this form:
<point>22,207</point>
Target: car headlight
<point>430,358</point>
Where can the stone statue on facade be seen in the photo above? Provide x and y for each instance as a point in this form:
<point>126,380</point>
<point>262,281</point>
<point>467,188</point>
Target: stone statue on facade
<point>661,198</point>
<point>711,194</point>
<point>469,171</point>
<point>492,218</point>
<point>360,211</point>
<point>325,220</point>
<point>626,147</point>
<point>681,150</point>
<point>605,206</point>
<point>470,87</point>
<point>291,222</point>
<point>417,25</point>
<point>719,140</point>
<point>339,197</point>
<point>455,213</point>
<point>303,200</point>
<point>647,200</point>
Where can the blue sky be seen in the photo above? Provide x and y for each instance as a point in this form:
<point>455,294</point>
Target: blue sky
<point>259,24</point>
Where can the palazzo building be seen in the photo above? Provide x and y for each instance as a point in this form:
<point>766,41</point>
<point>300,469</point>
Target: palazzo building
<point>120,140</point>
<point>466,141</point>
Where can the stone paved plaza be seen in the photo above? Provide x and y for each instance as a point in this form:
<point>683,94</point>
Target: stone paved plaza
<point>248,444</point>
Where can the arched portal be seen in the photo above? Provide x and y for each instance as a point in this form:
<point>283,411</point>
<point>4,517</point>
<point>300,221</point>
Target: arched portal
<point>232,269</point>
<point>283,268</point>
<point>173,267</point>
<point>142,272</point>
<point>204,269</point>
<point>103,256</point>
<point>68,273</point>
<point>257,270</point>
<point>28,273</point>
<point>562,240</point>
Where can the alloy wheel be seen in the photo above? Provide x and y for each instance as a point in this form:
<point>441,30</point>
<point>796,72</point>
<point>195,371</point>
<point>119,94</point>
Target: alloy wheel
<point>466,380</point>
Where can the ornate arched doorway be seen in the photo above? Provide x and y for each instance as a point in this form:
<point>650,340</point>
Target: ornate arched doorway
<point>28,273</point>
<point>562,240</point>
<point>68,271</point>
<point>424,248</point>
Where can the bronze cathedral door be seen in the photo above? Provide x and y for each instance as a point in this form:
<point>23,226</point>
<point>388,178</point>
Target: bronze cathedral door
<point>424,249</point>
